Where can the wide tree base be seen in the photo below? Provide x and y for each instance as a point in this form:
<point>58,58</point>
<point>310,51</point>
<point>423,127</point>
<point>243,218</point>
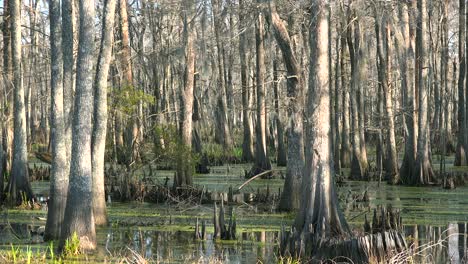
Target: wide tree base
<point>383,240</point>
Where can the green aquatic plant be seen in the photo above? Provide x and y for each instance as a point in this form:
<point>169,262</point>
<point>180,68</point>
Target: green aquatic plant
<point>72,246</point>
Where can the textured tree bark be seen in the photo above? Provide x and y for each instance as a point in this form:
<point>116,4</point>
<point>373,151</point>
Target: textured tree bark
<point>5,103</point>
<point>405,42</point>
<point>359,165</point>
<point>68,37</point>
<point>59,171</point>
<point>384,71</point>
<point>19,180</point>
<point>320,213</point>
<point>290,197</point>
<point>280,151</point>
<point>423,173</point>
<point>460,154</point>
<point>345,154</point>
<point>184,171</point>
<point>446,88</point>
<point>337,114</point>
<point>262,162</point>
<point>223,130</point>
<point>79,217</point>
<point>98,143</point>
<point>247,143</point>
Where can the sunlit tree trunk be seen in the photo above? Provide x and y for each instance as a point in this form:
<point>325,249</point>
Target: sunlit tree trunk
<point>280,151</point>
<point>295,154</point>
<point>184,171</point>
<point>222,120</point>
<point>423,173</point>
<point>68,37</point>
<point>59,172</point>
<point>79,217</point>
<point>383,35</point>
<point>247,143</point>
<point>262,162</point>
<point>405,42</point>
<point>320,213</point>
<point>359,165</point>
<point>100,113</point>
<point>19,176</point>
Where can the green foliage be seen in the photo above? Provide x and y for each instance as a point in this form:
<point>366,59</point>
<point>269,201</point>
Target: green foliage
<point>16,254</point>
<point>217,155</point>
<point>288,260</point>
<point>72,246</point>
<point>173,152</point>
<point>126,98</point>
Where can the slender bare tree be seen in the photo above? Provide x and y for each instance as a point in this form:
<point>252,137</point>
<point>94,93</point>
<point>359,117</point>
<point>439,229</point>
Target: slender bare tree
<point>100,112</point>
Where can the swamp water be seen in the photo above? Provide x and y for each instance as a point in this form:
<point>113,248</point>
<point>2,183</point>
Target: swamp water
<point>435,223</point>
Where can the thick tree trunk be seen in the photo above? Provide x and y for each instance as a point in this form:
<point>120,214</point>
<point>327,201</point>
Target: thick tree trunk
<point>359,165</point>
<point>98,144</point>
<point>19,180</point>
<point>224,136</point>
<point>262,162</point>
<point>460,154</point>
<point>79,217</point>
<point>320,213</point>
<point>184,170</point>
<point>59,172</point>
<point>247,143</point>
<point>423,173</point>
<point>281,150</point>
<point>384,71</point>
<point>406,53</point>
<point>295,154</point>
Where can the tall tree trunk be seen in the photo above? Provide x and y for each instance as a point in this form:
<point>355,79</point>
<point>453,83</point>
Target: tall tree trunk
<point>68,37</point>
<point>130,137</point>
<point>19,177</point>
<point>423,173</point>
<point>337,114</point>
<point>247,143</point>
<point>59,172</point>
<point>98,144</point>
<point>262,162</point>
<point>405,42</point>
<point>5,102</point>
<point>384,71</point>
<point>280,151</point>
<point>359,164</point>
<point>184,170</point>
<point>79,217</point>
<point>320,213</point>
<point>460,154</point>
<point>290,197</point>
<point>222,119</point>
<point>345,154</point>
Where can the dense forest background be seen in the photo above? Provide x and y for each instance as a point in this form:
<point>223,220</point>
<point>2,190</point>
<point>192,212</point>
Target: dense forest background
<point>333,90</point>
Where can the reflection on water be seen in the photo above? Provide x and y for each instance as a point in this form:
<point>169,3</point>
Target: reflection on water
<point>441,244</point>
<point>429,244</point>
<point>180,247</point>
